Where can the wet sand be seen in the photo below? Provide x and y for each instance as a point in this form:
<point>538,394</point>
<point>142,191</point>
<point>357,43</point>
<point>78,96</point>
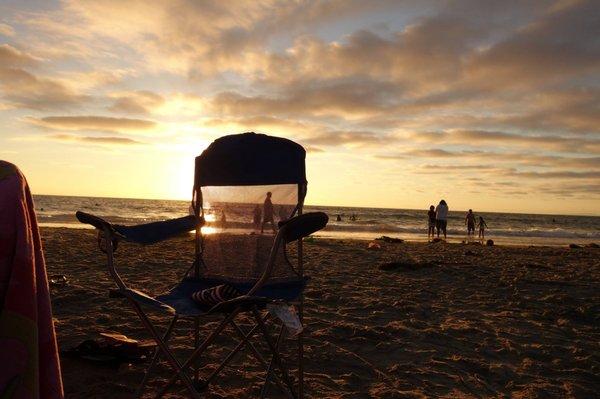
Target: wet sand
<point>462,321</point>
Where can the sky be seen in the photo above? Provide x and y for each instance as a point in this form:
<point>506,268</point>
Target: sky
<point>490,105</point>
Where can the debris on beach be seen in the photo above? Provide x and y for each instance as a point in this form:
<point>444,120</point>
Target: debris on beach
<point>373,246</point>
<point>405,265</point>
<point>489,243</point>
<point>392,240</point>
<point>58,280</point>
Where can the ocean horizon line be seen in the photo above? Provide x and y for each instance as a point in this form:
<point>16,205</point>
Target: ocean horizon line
<point>424,209</point>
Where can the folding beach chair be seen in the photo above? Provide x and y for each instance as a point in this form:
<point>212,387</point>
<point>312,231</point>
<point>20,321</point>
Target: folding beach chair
<point>236,178</point>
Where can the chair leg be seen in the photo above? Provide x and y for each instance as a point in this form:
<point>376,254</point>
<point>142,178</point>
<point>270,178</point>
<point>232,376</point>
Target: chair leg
<point>243,342</point>
<point>179,372</point>
<point>265,386</point>
<point>260,358</point>
<point>276,357</point>
<point>166,336</point>
<point>198,351</point>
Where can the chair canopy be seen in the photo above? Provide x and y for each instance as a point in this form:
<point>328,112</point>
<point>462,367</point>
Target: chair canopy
<point>250,159</point>
<point>244,185</point>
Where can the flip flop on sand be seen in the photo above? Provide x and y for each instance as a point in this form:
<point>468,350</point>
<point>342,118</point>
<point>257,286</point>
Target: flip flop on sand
<point>111,348</point>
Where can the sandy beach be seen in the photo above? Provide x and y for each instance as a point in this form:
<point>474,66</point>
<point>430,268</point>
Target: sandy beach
<point>458,320</point>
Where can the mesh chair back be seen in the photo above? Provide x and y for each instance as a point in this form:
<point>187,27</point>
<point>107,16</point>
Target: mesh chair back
<point>244,186</point>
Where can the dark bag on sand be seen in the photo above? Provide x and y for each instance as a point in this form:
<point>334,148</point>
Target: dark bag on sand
<point>212,296</point>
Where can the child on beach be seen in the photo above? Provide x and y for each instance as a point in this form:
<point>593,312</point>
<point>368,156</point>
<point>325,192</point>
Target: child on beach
<point>482,226</point>
<point>431,222</point>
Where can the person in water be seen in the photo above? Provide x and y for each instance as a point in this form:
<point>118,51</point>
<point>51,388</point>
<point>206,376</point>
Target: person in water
<point>431,222</point>
<point>470,222</point>
<point>257,215</point>
<point>268,214</point>
<point>441,218</point>
<point>338,218</point>
<point>482,226</point>
<point>283,215</point>
<point>223,219</point>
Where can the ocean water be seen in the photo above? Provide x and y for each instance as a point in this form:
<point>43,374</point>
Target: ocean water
<point>370,223</point>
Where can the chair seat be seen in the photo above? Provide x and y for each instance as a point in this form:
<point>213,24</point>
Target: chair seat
<point>180,296</point>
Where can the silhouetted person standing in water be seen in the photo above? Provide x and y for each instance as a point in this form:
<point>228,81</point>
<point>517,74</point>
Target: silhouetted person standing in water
<point>223,219</point>
<point>268,214</point>
<point>431,222</point>
<point>470,222</point>
<point>441,218</point>
<point>257,216</point>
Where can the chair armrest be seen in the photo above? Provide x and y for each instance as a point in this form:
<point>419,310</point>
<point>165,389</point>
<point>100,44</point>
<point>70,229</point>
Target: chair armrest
<point>303,225</point>
<point>151,233</point>
<point>95,221</point>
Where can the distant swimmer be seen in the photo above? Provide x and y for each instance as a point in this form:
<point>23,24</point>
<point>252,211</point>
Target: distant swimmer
<point>338,218</point>
<point>441,218</point>
<point>482,226</point>
<point>470,222</point>
<point>353,217</point>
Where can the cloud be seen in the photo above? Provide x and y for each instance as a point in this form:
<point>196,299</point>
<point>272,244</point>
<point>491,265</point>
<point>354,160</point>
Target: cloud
<point>420,153</point>
<point>341,137</point>
<point>22,89</point>
<point>138,102</point>
<point>563,43</point>
<point>503,139</point>
<point>313,150</point>
<point>94,140</point>
<point>555,175</point>
<point>6,30</point>
<point>98,123</point>
<point>457,167</point>
<point>351,98</point>
<point>465,83</point>
<point>11,57</point>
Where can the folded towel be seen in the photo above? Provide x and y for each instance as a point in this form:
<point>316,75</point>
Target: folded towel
<point>212,296</point>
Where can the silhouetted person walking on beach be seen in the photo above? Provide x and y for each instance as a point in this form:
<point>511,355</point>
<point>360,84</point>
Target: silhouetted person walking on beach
<point>268,214</point>
<point>441,217</point>
<point>431,222</point>
<point>482,226</point>
<point>470,222</point>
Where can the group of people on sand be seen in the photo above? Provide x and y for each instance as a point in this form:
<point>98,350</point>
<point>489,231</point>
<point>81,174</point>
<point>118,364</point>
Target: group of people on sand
<point>437,221</point>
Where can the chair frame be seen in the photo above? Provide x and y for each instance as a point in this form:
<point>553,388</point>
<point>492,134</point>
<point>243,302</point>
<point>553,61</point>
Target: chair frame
<point>249,303</point>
